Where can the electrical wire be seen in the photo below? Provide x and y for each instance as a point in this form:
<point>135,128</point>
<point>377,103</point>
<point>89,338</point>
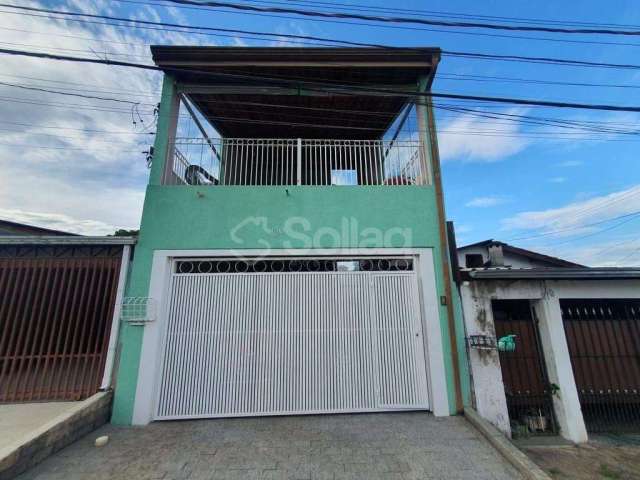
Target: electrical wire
<point>408,20</point>
<point>401,27</point>
<point>420,12</point>
<point>320,86</point>
<point>473,55</point>
<point>57,92</point>
<point>86,130</point>
<point>578,227</point>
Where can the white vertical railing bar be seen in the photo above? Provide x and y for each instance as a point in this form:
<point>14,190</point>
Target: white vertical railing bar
<point>299,161</point>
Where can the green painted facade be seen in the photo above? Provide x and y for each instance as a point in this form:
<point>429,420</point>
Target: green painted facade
<point>237,217</point>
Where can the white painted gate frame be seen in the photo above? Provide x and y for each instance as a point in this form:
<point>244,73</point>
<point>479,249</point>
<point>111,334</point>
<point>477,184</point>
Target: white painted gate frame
<point>152,348</point>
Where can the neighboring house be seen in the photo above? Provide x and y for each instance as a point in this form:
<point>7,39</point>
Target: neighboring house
<point>292,253</point>
<point>491,253</point>
<point>576,364</point>
<point>14,228</point>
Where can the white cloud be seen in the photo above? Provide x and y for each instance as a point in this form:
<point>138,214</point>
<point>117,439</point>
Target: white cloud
<point>73,177</point>
<point>624,251</point>
<point>476,139</point>
<point>571,163</point>
<point>558,179</point>
<point>485,202</point>
<point>578,217</point>
<point>58,221</point>
<point>463,228</point>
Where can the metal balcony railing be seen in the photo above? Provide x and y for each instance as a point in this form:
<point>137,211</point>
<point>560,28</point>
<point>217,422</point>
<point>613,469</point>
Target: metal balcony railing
<point>258,162</point>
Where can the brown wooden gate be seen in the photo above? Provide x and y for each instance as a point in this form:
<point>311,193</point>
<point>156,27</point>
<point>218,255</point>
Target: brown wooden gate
<point>526,387</point>
<point>55,317</point>
<point>604,344</point>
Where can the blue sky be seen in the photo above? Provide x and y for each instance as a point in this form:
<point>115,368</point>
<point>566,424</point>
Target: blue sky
<point>568,194</point>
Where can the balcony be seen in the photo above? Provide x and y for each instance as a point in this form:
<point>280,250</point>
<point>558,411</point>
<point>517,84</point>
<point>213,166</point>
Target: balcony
<point>267,162</point>
<point>269,147</point>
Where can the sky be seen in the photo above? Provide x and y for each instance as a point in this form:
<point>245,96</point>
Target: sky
<point>77,164</point>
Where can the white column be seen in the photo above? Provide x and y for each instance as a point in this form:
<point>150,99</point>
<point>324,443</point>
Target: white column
<point>491,402</point>
<point>556,354</point>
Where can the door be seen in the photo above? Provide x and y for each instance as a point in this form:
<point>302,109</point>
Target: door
<point>292,336</point>
<point>526,386</point>
<point>603,337</point>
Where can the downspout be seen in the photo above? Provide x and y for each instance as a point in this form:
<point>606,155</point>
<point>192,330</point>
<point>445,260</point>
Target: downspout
<point>107,375</point>
<point>444,246</point>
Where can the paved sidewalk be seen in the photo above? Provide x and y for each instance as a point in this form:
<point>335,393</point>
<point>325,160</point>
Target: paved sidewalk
<point>333,447</point>
<point>21,419</point>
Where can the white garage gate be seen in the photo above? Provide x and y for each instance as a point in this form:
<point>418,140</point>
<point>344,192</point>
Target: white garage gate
<point>292,336</point>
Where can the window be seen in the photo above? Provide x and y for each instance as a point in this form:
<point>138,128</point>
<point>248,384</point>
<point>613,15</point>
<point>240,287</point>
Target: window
<point>344,177</point>
<point>473,260</point>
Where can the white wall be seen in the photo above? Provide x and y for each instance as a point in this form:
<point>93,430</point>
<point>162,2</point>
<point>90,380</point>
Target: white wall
<point>545,296</point>
<point>490,400</point>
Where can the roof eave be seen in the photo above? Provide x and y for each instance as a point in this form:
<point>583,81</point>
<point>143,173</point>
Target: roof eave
<point>562,273</point>
<point>63,240</point>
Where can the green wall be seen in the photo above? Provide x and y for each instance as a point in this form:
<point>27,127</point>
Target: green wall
<point>229,217</point>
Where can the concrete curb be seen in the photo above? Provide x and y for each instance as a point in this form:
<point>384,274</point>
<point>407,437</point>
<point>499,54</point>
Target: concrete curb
<point>508,450</point>
<point>66,428</point>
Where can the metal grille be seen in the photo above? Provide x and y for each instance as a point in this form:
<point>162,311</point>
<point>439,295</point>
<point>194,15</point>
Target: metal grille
<point>245,161</point>
<point>524,376</point>
<point>267,344</point>
<point>286,265</point>
<point>55,318</point>
<point>604,343</point>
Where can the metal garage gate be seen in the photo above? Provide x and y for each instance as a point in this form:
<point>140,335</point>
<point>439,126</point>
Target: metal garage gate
<point>604,343</point>
<point>55,318</point>
<point>292,336</point>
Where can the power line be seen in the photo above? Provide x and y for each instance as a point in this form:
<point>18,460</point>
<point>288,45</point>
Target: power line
<point>472,55</point>
<point>589,211</point>
<point>77,50</point>
<point>69,137</point>
<point>501,79</point>
<point>188,27</point>
<point>57,92</point>
<point>626,257</point>
<point>87,130</point>
<point>432,13</point>
<point>409,20</point>
<point>82,84</point>
<point>400,27</point>
<point>21,145</point>
<point>319,86</point>
<point>617,225</point>
<point>579,227</point>
<point>541,60</point>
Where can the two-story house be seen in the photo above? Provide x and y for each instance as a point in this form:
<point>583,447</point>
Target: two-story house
<point>292,256</point>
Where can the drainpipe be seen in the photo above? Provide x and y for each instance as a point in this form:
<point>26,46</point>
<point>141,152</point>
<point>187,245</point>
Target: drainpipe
<point>444,246</point>
<point>115,319</point>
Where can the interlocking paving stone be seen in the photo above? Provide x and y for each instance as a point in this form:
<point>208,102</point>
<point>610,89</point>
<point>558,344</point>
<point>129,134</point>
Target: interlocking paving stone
<point>386,446</point>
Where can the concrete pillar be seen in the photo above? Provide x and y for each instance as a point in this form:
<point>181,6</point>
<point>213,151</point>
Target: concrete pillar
<point>491,402</point>
<point>556,355</point>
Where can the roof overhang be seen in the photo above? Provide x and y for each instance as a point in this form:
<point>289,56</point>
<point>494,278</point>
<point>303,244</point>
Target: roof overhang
<point>299,92</point>
<point>596,273</point>
<point>63,240</point>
